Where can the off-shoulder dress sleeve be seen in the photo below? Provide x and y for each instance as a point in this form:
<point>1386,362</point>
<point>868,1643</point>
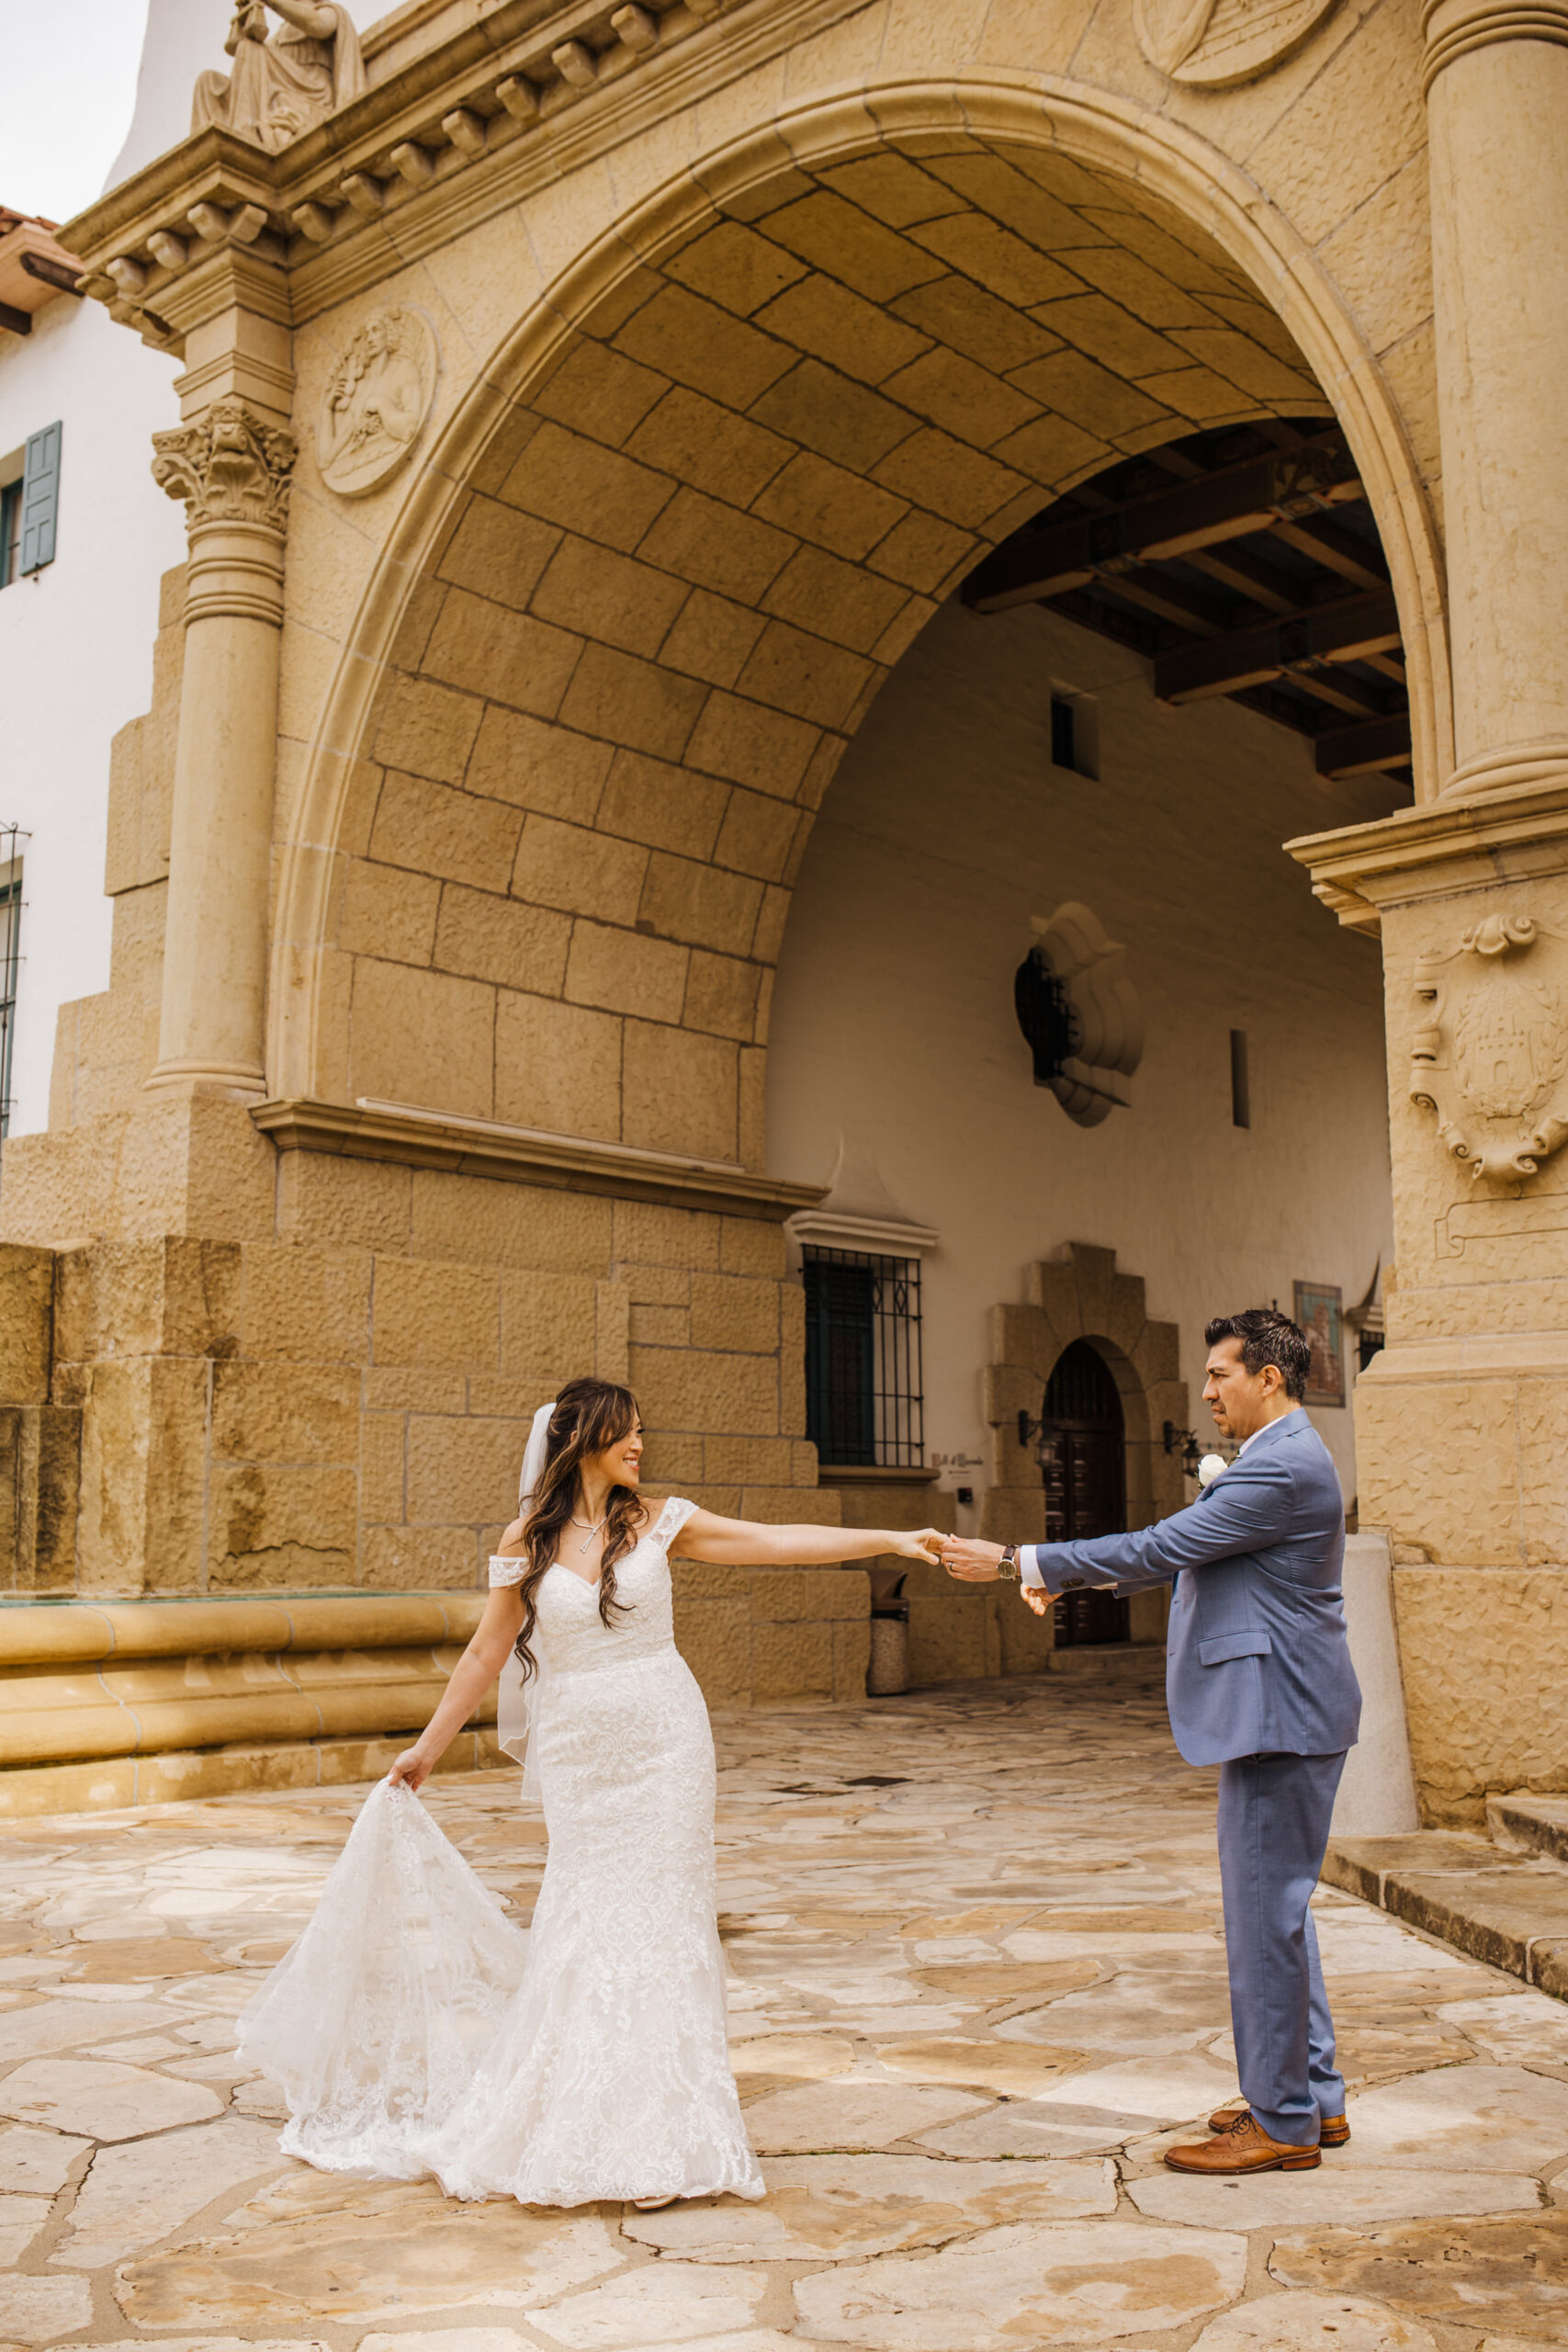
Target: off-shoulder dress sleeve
<point>505,1571</point>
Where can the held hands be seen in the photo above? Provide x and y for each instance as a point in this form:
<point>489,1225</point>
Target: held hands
<point>973,1561</point>
<point>918,1544</point>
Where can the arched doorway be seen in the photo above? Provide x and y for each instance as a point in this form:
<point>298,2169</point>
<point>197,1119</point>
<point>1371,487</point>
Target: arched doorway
<point>1085,1480</point>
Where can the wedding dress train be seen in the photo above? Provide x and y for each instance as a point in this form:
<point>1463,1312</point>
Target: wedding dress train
<point>414,2029</point>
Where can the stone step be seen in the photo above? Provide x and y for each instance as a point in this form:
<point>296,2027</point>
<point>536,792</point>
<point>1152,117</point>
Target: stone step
<point>1506,1905</point>
<point>1527,1824</point>
<point>1111,1662</point>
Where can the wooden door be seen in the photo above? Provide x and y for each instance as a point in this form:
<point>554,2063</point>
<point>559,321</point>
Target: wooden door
<point>1086,1487</point>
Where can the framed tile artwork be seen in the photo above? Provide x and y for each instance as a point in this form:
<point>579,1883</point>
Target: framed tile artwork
<point>1318,1311</point>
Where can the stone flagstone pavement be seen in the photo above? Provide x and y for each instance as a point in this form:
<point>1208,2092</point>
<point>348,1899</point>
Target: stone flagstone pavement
<point>979,1987</point>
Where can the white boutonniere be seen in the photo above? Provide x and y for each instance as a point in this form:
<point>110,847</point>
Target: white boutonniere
<point>1210,1468</point>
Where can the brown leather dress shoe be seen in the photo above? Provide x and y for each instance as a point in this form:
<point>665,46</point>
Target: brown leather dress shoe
<point>1243,2146</point>
<point>1334,2130</point>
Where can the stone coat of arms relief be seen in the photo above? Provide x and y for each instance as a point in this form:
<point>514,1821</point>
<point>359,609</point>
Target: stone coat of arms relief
<point>1209,44</point>
<point>1491,1058</point>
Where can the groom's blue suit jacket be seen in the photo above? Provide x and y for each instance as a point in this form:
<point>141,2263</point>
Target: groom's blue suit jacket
<point>1256,1660</point>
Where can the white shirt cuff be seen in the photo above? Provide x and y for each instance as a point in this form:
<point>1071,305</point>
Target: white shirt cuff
<point>1029,1566</point>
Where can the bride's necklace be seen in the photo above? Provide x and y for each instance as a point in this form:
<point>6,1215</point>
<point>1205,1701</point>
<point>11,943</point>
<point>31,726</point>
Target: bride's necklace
<point>593,1530</point>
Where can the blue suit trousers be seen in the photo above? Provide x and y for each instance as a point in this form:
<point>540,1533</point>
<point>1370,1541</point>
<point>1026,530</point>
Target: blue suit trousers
<point>1273,1822</point>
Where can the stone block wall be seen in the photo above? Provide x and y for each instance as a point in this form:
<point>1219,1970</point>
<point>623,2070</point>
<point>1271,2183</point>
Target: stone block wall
<point>752,1635</point>
<point>301,1411</point>
<point>343,1404</point>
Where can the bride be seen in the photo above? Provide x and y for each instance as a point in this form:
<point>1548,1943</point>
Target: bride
<point>413,2028</point>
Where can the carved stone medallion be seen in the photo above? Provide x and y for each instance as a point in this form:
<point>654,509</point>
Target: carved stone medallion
<point>377,402</point>
<point>1492,1059</point>
<point>1208,44</point>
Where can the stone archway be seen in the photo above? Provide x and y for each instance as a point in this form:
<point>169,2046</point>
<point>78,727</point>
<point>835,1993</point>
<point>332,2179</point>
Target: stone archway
<point>1080,1295</point>
<point>670,545</point>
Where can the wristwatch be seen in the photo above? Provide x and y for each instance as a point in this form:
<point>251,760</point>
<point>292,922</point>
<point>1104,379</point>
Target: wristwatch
<point>1008,1564</point>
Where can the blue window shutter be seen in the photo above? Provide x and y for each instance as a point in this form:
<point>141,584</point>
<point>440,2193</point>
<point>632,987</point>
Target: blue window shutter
<point>40,498</point>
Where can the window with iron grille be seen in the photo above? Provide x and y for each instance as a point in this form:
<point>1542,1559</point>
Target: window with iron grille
<point>865,1402</point>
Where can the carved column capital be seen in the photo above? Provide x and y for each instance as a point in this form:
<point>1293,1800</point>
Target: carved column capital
<point>1454,28</point>
<point>233,472</point>
<point>227,468</point>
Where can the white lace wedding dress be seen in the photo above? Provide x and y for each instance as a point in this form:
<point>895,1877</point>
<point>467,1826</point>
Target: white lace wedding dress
<point>416,2029</point>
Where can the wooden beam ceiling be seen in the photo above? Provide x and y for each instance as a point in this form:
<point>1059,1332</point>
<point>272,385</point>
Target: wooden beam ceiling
<point>1230,503</point>
<point>1241,562</point>
<point>1346,630</point>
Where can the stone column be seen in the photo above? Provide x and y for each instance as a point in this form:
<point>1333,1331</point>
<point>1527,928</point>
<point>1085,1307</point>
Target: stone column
<point>1497,77</point>
<point>1461,1421</point>
<point>233,470</point>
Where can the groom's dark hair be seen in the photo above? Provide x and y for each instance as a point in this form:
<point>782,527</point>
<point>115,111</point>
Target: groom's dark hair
<point>1267,1337</point>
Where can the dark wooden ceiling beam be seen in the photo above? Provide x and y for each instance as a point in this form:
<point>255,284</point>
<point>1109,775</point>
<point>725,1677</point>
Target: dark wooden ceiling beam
<point>1225,505</point>
<point>1155,591</point>
<point>15,321</point>
<point>1249,575</point>
<point>1346,631</point>
<point>1362,750</point>
<point>1357,697</point>
<point>1340,550</point>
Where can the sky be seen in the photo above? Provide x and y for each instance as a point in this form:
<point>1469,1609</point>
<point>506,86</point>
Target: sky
<point>66,97</point>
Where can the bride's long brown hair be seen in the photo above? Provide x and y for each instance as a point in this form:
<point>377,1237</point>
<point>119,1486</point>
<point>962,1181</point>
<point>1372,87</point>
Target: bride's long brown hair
<point>589,1416</point>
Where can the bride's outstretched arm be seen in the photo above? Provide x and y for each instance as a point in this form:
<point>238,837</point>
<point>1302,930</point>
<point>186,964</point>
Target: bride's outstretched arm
<point>470,1679</point>
<point>748,1544</point>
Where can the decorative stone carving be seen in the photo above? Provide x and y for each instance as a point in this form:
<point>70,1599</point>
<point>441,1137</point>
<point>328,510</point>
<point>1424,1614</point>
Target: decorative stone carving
<point>1209,44</point>
<point>1493,1060</point>
<point>227,468</point>
<point>282,84</point>
<point>1097,1016</point>
<point>378,399</point>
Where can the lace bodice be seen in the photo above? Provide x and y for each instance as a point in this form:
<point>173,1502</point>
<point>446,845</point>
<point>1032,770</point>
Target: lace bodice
<point>571,1637</point>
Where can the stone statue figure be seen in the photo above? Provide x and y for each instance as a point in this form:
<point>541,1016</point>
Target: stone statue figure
<point>283,84</point>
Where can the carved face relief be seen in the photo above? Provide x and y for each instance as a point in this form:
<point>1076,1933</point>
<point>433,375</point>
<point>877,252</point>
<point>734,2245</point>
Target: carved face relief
<point>377,402</point>
<point>1209,44</point>
<point>1493,1061</point>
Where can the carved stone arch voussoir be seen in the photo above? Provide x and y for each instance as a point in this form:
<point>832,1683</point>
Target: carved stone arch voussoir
<point>1081,1294</point>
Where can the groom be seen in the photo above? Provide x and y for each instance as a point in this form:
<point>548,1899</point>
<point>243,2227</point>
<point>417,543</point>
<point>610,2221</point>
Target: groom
<point>1259,1680</point>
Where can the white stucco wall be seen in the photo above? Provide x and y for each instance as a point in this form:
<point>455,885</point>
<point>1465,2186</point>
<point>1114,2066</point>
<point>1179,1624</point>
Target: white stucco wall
<point>76,649</point>
<point>946,829</point>
<point>76,638</point>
